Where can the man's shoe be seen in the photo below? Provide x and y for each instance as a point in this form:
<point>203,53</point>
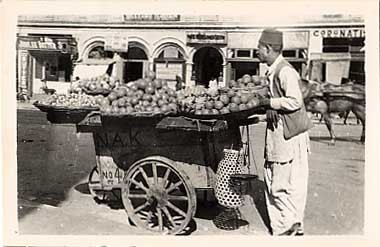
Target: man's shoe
<point>292,231</point>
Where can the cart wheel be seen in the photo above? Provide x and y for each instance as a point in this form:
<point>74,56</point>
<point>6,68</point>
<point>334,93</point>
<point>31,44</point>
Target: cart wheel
<point>94,185</point>
<point>158,195</point>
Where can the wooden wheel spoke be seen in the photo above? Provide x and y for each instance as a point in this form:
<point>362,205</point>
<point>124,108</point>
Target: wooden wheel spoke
<point>177,198</point>
<point>138,196</point>
<point>160,219</point>
<point>168,215</point>
<point>140,185</point>
<point>140,207</point>
<point>177,217</point>
<point>155,177</point>
<point>165,178</point>
<point>176,209</point>
<point>143,173</point>
<point>173,186</point>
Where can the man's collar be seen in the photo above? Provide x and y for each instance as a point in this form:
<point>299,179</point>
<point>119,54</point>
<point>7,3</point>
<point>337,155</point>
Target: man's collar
<point>274,64</point>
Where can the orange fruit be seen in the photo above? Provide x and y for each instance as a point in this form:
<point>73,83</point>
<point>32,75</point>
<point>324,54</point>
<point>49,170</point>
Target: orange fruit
<point>236,100</point>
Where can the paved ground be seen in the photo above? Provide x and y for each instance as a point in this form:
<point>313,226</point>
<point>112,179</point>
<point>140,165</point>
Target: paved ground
<point>53,198</point>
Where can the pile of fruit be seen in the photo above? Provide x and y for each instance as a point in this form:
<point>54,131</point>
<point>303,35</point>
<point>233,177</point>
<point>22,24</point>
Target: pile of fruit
<point>248,81</point>
<point>151,96</point>
<point>71,100</point>
<point>147,95</point>
<point>201,101</point>
<point>99,84</point>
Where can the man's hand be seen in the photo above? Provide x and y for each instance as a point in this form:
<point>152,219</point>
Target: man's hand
<point>272,119</point>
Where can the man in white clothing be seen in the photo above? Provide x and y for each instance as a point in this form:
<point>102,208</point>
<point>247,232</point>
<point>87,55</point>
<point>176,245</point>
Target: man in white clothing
<point>286,159</point>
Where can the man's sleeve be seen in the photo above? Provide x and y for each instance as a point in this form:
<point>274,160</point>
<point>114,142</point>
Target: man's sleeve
<point>292,99</point>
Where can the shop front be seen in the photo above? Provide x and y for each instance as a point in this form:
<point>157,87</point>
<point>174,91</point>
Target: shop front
<point>44,61</point>
<point>193,49</point>
<point>242,53</point>
<point>208,56</point>
<point>114,54</point>
<point>339,55</point>
<point>129,56</point>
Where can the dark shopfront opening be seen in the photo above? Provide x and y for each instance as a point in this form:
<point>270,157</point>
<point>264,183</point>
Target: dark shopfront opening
<point>356,72</point>
<point>207,65</point>
<point>133,71</point>
<point>134,63</point>
<point>55,66</point>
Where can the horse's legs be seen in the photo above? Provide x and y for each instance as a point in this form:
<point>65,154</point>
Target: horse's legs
<point>359,111</point>
<point>329,124</point>
<point>346,116</point>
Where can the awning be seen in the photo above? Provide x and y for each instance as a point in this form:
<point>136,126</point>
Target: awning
<point>292,40</point>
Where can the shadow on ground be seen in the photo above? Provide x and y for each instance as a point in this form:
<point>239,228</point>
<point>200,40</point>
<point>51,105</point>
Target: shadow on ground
<point>45,171</point>
<point>327,140</point>
<point>258,195</point>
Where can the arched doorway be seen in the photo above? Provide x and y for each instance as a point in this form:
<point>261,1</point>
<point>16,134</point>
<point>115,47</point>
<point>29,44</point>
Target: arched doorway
<point>207,65</point>
<point>136,62</point>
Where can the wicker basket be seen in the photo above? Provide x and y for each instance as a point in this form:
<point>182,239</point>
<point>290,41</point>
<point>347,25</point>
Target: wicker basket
<point>226,194</point>
<point>63,115</point>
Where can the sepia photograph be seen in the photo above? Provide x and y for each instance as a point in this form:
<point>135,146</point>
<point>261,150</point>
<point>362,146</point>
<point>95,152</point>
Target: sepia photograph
<point>191,123</point>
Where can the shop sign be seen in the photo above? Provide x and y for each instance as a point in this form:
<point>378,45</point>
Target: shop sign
<point>45,43</point>
<point>151,17</point>
<point>116,42</point>
<point>339,33</point>
<point>206,38</point>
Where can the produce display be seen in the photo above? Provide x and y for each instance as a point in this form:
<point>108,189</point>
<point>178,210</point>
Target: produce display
<point>71,100</point>
<point>148,96</point>
<point>201,101</point>
<point>102,84</point>
<point>248,81</point>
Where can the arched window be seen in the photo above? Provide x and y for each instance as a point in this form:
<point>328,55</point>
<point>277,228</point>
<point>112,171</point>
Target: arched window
<point>170,52</point>
<point>98,52</point>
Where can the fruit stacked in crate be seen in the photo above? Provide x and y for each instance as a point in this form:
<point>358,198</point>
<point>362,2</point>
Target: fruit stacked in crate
<point>201,101</point>
<point>148,95</point>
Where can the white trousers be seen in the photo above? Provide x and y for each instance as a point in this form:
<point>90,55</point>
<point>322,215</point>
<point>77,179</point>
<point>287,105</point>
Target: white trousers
<point>286,190</point>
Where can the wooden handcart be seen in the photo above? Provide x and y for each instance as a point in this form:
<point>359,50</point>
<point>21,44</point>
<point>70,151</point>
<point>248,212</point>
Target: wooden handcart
<point>158,163</point>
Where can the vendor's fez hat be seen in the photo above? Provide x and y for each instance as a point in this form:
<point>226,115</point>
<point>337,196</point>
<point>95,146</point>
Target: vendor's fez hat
<point>271,36</point>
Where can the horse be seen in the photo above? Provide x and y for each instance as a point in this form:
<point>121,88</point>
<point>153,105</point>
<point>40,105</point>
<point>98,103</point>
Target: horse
<point>318,101</point>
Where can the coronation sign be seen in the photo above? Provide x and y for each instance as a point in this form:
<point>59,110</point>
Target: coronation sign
<point>339,33</point>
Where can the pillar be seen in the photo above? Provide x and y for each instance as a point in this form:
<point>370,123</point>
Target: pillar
<point>189,71</point>
<point>223,82</point>
<point>23,63</point>
<point>151,64</point>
